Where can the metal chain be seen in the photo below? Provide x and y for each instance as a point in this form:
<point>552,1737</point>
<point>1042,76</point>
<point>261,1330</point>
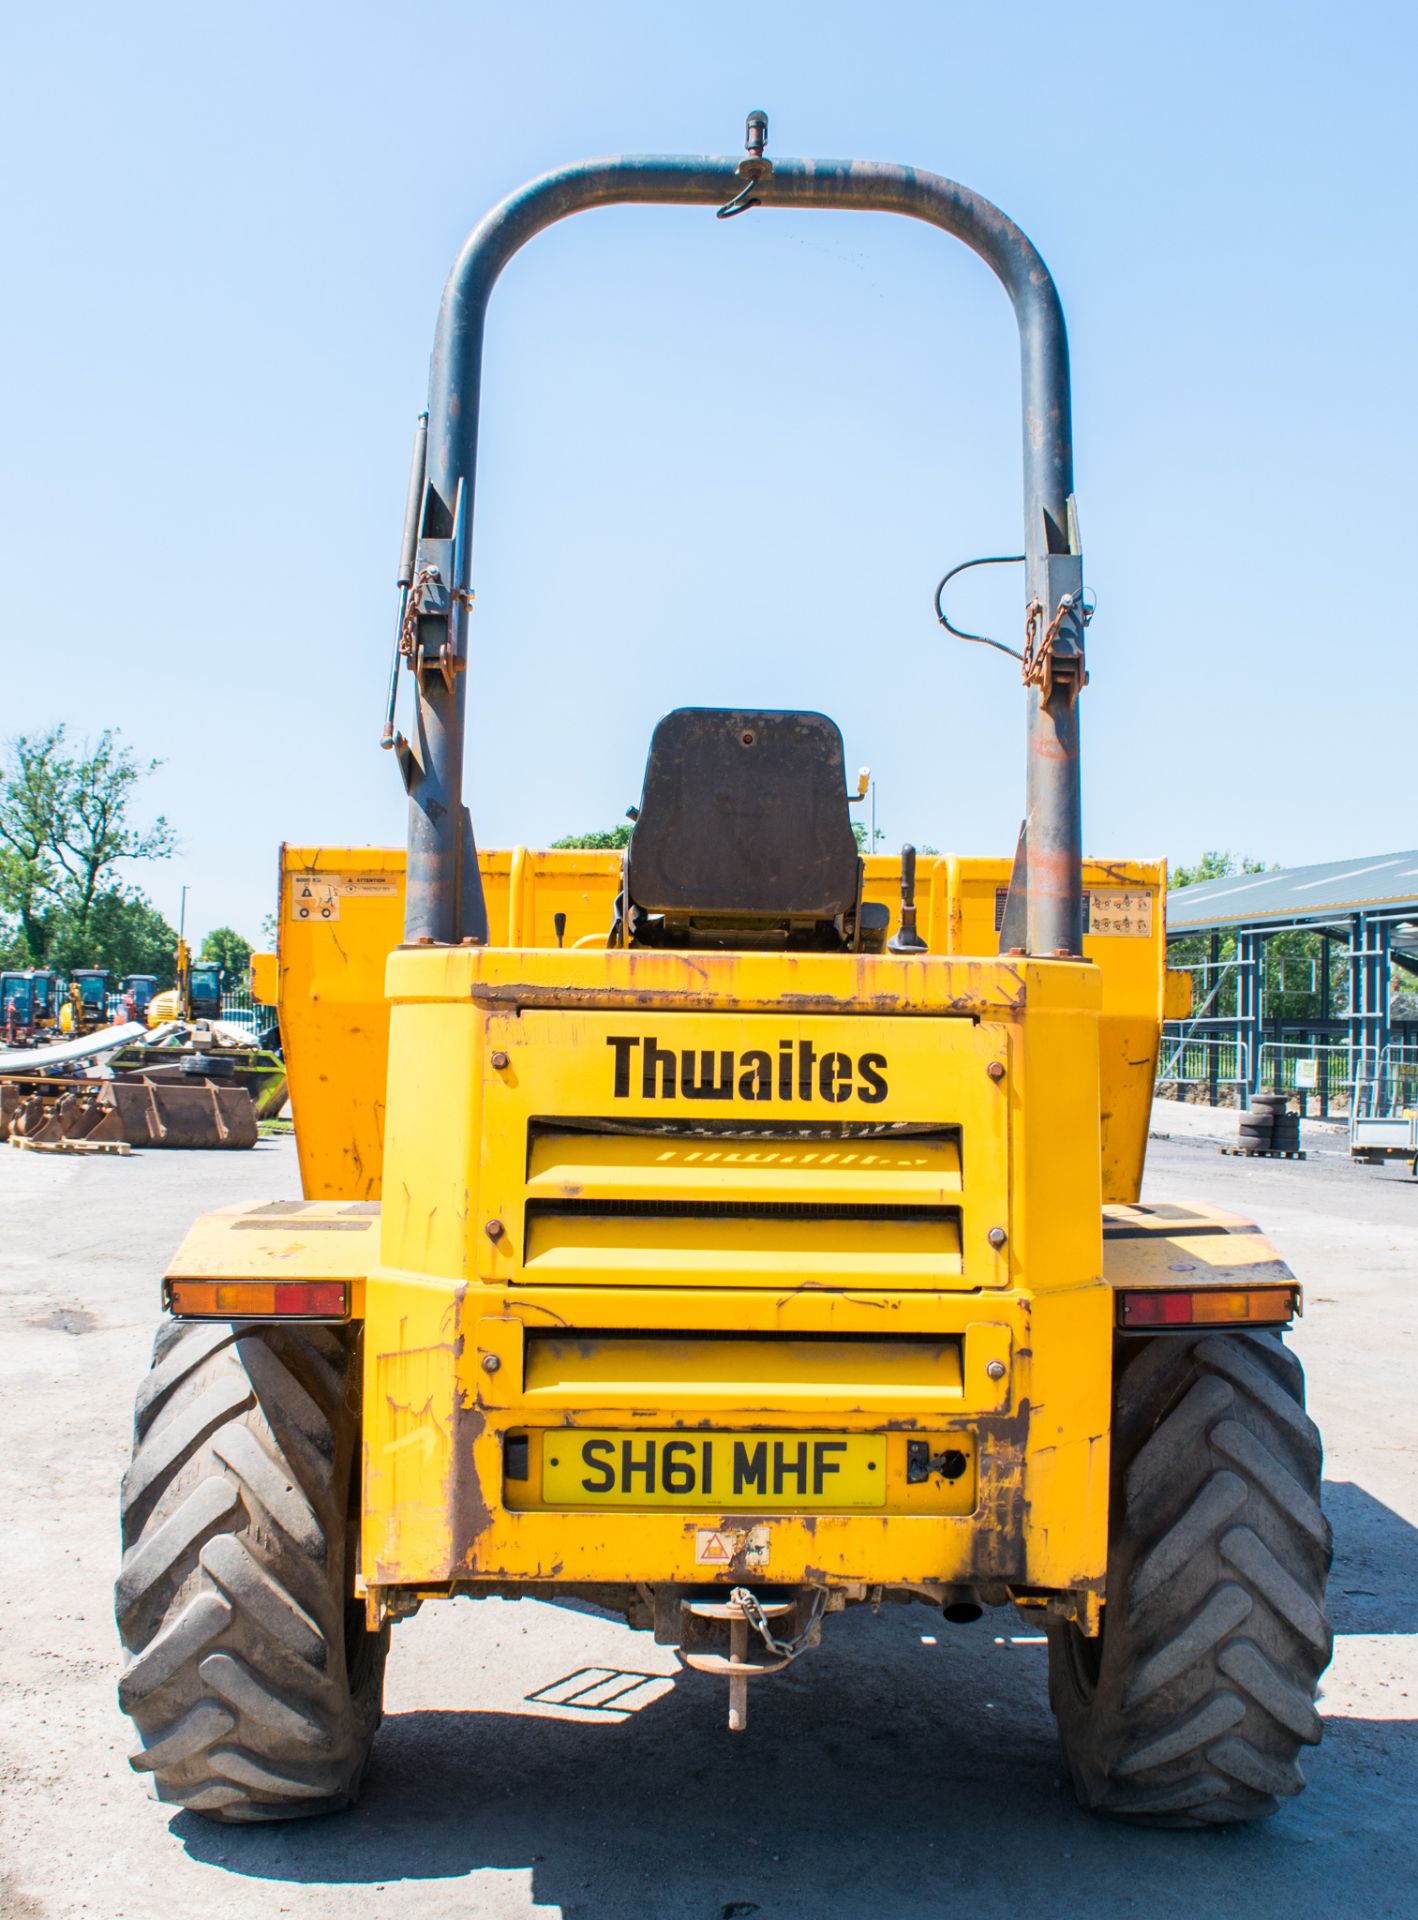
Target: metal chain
<point>785,1649</point>
<point>408,632</point>
<point>1038,659</point>
<point>1038,654</point>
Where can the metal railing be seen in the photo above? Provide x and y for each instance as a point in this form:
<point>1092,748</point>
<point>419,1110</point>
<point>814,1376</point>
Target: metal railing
<point>1188,1059</point>
<point>1316,1070</point>
<point>1387,1082</point>
<point>240,1010</point>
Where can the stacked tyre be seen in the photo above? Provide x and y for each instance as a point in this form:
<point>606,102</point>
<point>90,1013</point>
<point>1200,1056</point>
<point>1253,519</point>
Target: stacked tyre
<point>1267,1114</point>
<point>1285,1134</point>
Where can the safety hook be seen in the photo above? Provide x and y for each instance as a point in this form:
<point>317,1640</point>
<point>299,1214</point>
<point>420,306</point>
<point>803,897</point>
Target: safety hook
<point>741,201</point>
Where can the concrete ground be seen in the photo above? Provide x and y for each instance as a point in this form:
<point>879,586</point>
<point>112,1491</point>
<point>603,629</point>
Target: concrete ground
<point>906,1771</point>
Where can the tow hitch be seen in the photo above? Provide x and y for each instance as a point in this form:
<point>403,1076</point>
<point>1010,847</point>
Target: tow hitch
<point>744,1614</point>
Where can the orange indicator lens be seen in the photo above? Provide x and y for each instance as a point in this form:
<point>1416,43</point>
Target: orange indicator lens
<point>1206,1307</point>
<point>259,1299</point>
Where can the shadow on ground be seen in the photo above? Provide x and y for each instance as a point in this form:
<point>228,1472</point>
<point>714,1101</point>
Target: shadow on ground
<point>906,1769</point>
<point>1373,1585</point>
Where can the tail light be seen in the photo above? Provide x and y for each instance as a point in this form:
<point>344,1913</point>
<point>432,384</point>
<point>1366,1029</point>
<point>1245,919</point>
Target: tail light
<point>1163,1308</point>
<point>258,1299</point>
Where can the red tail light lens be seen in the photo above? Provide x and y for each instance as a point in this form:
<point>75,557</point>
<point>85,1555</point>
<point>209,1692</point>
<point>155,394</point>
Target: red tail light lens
<point>258,1299</point>
<point>1207,1307</point>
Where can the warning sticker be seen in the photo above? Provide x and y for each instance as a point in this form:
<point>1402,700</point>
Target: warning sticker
<point>746,1547</point>
<point>1121,911</point>
<point>317,896</point>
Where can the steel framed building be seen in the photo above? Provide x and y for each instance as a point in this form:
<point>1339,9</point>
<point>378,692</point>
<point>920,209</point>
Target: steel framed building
<point>1350,1045</point>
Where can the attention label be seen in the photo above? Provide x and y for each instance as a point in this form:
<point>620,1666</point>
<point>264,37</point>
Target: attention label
<point>317,896</point>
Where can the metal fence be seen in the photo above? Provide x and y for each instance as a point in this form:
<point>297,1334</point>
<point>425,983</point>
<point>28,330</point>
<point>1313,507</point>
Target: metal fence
<point>1320,1072</point>
<point>1201,1060</point>
<point>1326,1076</point>
<point>240,1010</point>
<point>1317,1070</point>
<point>1387,1083</point>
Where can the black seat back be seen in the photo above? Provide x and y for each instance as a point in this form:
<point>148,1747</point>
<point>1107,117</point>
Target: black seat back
<point>744,813</point>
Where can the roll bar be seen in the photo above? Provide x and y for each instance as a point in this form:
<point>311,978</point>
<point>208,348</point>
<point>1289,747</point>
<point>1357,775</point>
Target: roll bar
<point>444,901</point>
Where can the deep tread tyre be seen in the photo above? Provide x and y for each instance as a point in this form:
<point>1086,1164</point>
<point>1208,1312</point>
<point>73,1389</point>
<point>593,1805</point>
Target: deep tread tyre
<point>252,1682</point>
<point>1192,1707</point>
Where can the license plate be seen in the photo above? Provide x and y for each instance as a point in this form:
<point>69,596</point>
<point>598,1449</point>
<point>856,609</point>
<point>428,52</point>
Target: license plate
<point>732,1472</point>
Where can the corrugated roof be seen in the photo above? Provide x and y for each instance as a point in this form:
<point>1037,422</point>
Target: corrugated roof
<point>1325,892</point>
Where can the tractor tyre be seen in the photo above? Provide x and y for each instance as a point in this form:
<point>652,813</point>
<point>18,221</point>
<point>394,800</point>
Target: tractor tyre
<point>1191,1706</point>
<point>208,1066</point>
<point>254,1686</point>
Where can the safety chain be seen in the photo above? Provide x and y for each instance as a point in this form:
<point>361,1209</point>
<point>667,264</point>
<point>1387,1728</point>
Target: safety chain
<point>748,1605</point>
<point>408,632</point>
<point>1038,667</point>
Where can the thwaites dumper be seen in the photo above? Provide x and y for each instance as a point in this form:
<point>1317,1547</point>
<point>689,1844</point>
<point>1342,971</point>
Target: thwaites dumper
<point>732,1233</point>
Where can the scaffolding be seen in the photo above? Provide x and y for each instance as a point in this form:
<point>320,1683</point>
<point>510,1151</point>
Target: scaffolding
<point>1253,1026</point>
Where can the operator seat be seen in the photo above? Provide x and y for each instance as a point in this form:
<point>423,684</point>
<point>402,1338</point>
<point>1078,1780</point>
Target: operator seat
<point>743,834</point>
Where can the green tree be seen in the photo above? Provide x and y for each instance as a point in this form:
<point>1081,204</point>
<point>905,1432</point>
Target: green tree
<point>65,826</point>
<point>1194,950</point>
<point>123,932</point>
<point>1295,964</point>
<point>603,842</point>
<point>1214,866</point>
<point>226,946</point>
<point>30,790</point>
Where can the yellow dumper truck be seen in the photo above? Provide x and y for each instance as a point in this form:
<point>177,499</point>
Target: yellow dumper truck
<point>730,1231</point>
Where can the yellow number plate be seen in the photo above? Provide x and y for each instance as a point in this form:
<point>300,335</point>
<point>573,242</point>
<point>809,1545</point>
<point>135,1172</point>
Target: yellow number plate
<point>728,1472</point>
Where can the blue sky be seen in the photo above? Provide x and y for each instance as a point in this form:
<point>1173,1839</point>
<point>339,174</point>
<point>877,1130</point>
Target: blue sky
<point>721,462</point>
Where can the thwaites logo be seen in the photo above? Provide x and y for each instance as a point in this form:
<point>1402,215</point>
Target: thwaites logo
<point>795,1070</point>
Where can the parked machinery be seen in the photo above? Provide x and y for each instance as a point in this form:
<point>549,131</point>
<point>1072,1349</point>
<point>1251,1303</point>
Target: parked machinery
<point>85,1008</point>
<point>17,1004</point>
<point>141,987</point>
<point>740,1263</point>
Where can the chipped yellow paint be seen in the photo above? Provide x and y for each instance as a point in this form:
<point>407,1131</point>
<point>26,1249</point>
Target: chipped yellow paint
<point>504,1225</point>
<point>1010,1187</point>
<point>304,1240</point>
<point>335,1019</point>
<point>1188,1246</point>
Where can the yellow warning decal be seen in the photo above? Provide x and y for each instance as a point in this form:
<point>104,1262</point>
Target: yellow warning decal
<point>317,896</point>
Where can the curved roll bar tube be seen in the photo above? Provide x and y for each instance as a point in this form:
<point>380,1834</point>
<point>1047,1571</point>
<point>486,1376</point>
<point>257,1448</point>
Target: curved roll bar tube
<point>444,895</point>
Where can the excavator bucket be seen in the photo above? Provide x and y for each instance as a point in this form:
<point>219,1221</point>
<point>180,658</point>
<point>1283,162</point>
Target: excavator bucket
<point>138,1112</point>
<point>197,1115</point>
